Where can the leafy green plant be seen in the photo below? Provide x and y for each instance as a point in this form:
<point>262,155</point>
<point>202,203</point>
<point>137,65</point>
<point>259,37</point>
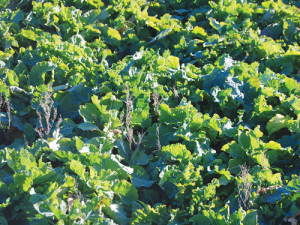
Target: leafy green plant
<point>160,106</point>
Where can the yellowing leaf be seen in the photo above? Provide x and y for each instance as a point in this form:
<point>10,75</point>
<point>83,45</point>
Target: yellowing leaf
<point>199,32</point>
<point>114,33</point>
<point>173,62</point>
<point>153,22</point>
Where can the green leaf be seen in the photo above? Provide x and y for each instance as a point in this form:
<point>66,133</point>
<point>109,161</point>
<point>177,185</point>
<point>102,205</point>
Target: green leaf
<point>209,217</point>
<point>37,73</point>
<point>291,85</point>
<point>79,169</point>
<point>272,156</point>
<point>237,217</point>
<point>29,133</point>
<point>197,96</point>
<point>104,14</point>
<point>60,209</point>
<point>20,161</point>
<point>124,150</point>
<point>234,150</point>
<point>18,122</point>
<point>20,69</point>
<point>29,34</point>
<point>70,103</point>
<point>23,181</point>
<point>140,178</point>
<point>262,160</point>
<point>173,62</point>
<point>91,16</point>
<point>77,40</point>
<point>251,89</point>
<point>67,127</point>
<point>108,100</point>
<point>288,30</point>
<point>234,165</point>
<point>108,221</point>
<point>128,191</point>
<point>287,69</point>
<point>139,158</point>
<point>277,194</point>
<point>3,4</point>
<point>261,105</point>
<point>5,193</point>
<point>112,163</point>
<point>139,181</point>
<point>199,32</point>
<point>156,215</point>
<point>251,217</point>
<point>247,141</point>
<point>141,118</point>
<point>111,35</point>
<point>294,184</point>
<point>91,113</point>
<point>3,221</point>
<point>162,34</point>
<point>105,145</point>
<point>43,209</point>
<point>216,25</point>
<point>12,78</point>
<point>200,219</point>
<point>166,114</point>
<point>268,177</point>
<point>166,135</point>
<point>44,174</point>
<point>277,122</point>
<point>176,152</point>
<point>88,126</point>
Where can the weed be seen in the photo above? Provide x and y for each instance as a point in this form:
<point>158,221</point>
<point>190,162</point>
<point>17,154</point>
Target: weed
<point>244,188</point>
<point>176,95</point>
<point>157,136</point>
<point>5,106</point>
<point>156,102</point>
<point>47,105</point>
<point>133,142</point>
<point>129,103</point>
<point>292,219</point>
<point>76,194</point>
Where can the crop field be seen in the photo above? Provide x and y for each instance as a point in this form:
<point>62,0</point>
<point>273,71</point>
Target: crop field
<point>163,112</point>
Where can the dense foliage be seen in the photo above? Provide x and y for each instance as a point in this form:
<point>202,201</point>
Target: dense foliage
<point>149,112</point>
